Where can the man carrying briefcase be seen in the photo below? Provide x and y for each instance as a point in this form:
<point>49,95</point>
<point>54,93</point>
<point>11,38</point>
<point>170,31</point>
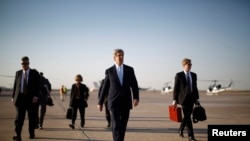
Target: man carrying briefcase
<point>186,94</point>
<point>175,113</point>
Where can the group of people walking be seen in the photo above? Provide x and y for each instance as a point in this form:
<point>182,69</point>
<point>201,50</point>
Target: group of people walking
<point>119,93</point>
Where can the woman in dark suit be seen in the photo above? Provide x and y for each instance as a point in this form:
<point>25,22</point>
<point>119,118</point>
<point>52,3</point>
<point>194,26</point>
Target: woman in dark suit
<point>121,84</point>
<point>186,94</point>
<point>78,100</point>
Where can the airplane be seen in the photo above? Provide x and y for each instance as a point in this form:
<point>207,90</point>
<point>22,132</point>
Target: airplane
<point>217,88</point>
<point>166,88</point>
<point>2,88</point>
<point>7,76</point>
<point>144,89</point>
<point>96,86</point>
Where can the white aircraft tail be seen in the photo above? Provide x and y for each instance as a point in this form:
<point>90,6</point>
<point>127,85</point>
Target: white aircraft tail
<point>229,87</point>
<point>96,86</point>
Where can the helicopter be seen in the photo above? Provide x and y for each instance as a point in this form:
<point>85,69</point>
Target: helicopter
<point>166,88</point>
<point>216,88</point>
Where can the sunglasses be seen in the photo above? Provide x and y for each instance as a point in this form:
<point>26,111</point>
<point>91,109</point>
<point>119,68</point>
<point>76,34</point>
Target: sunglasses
<point>24,64</point>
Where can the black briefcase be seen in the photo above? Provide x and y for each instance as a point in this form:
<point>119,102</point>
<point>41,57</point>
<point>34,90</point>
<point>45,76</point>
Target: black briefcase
<point>50,102</point>
<point>69,113</point>
<point>199,113</point>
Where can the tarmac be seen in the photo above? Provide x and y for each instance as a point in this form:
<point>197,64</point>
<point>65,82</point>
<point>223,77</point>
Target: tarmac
<point>149,121</point>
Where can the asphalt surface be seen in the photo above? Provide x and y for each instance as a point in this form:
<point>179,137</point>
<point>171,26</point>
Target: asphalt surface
<point>148,122</point>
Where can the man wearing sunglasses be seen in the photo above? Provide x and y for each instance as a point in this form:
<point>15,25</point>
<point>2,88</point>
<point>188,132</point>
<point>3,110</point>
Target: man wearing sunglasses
<point>25,95</point>
<point>186,94</point>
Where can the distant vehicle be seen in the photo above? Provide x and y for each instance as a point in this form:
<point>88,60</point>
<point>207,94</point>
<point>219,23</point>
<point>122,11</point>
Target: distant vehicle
<point>144,89</point>
<point>166,88</point>
<point>217,88</point>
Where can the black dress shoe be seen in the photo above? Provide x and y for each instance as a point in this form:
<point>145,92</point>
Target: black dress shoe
<point>72,126</point>
<point>32,136</point>
<point>192,139</point>
<point>17,138</point>
<point>181,134</point>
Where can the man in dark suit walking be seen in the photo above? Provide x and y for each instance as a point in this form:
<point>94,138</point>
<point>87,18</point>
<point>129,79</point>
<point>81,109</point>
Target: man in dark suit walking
<point>45,89</point>
<point>119,81</point>
<point>107,112</point>
<point>186,94</point>
<point>25,95</point>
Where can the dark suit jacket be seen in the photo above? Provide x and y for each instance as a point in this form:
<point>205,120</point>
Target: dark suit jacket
<point>45,88</point>
<point>106,92</point>
<point>180,88</point>
<point>119,96</point>
<point>84,94</point>
<point>33,85</point>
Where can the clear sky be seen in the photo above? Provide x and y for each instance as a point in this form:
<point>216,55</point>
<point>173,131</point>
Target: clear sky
<point>68,37</point>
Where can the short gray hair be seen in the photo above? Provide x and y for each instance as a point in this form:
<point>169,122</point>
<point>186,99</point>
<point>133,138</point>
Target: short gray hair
<point>118,50</point>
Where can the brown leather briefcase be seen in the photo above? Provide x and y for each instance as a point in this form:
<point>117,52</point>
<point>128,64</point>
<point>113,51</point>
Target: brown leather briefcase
<point>175,113</point>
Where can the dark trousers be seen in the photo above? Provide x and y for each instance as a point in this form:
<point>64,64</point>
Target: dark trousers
<point>23,106</point>
<point>119,122</point>
<point>43,98</point>
<point>43,108</point>
<point>78,105</point>
<point>187,109</point>
<point>107,112</point>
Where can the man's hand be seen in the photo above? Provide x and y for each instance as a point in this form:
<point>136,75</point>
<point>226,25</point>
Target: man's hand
<point>34,100</point>
<point>197,102</point>
<point>174,103</point>
<point>136,102</point>
<point>99,107</point>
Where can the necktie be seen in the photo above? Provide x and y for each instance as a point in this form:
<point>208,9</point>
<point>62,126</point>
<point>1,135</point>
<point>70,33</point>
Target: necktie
<point>25,83</point>
<point>120,74</point>
<point>189,83</point>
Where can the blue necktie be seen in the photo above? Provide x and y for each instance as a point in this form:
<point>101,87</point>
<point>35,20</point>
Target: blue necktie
<point>189,83</point>
<point>120,74</point>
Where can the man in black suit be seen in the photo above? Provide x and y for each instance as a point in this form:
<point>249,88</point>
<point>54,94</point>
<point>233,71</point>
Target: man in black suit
<point>119,81</point>
<point>186,94</point>
<point>107,112</point>
<point>25,95</point>
<point>43,99</point>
